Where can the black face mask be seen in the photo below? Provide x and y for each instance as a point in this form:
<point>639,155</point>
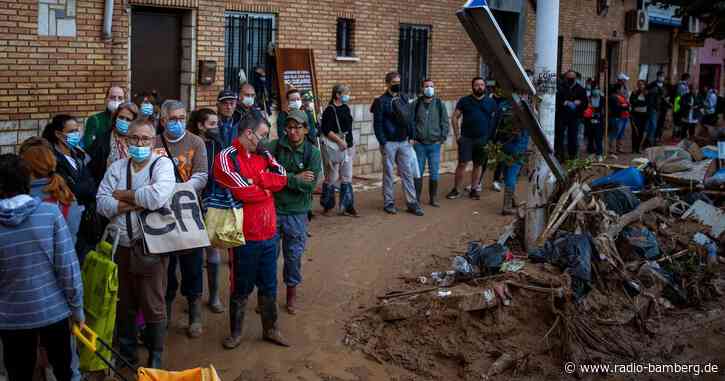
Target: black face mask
<point>570,81</point>
<point>395,88</point>
<point>478,92</point>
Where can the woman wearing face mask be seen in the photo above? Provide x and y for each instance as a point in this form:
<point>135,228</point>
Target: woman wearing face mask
<point>594,124</point>
<point>338,151</point>
<point>146,105</point>
<point>205,124</point>
<point>112,145</point>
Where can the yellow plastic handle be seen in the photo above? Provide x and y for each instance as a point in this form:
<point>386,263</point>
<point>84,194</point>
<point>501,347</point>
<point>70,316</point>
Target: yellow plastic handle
<point>86,336</point>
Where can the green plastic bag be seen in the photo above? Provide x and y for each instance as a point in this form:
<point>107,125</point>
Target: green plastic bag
<point>100,294</point>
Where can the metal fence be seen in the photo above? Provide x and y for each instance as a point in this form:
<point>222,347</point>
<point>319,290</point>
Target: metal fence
<point>413,57</point>
<point>246,38</point>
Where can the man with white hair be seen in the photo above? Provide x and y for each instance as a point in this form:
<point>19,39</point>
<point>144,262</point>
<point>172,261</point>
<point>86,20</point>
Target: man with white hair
<point>144,181</point>
<point>188,154</point>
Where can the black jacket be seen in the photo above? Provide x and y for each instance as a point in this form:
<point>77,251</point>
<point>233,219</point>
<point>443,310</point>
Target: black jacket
<point>99,151</point>
<point>79,180</point>
<point>571,93</point>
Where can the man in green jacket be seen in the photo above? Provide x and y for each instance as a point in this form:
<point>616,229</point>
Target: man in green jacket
<point>98,124</point>
<point>431,131</point>
<point>303,163</point>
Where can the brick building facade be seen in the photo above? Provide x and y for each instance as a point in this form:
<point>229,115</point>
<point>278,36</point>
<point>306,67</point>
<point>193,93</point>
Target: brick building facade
<point>54,58</point>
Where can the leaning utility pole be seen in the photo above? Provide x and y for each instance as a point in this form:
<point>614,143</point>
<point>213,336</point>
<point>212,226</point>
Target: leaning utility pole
<point>541,180</point>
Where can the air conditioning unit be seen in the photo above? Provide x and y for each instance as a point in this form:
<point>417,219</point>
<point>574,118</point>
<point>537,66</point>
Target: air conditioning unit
<point>637,21</point>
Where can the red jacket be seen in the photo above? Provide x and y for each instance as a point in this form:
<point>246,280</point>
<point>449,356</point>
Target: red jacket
<point>258,177</point>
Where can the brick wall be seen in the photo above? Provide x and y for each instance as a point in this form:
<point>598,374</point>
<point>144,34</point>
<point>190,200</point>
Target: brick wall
<point>42,76</point>
<point>579,19</point>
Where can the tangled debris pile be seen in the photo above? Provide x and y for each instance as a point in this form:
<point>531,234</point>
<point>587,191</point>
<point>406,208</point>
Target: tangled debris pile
<point>614,277</point>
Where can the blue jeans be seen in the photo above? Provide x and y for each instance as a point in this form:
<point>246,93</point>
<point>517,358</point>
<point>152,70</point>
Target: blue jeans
<point>254,264</point>
<point>511,175</point>
<point>617,128</point>
<point>293,236</point>
<point>192,276</point>
<point>651,130</point>
<point>430,153</point>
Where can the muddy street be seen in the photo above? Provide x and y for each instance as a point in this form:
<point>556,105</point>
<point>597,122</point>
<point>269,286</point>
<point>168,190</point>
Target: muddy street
<point>348,263</point>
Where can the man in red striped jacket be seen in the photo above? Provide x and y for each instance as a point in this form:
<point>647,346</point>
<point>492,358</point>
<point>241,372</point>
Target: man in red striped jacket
<point>252,175</point>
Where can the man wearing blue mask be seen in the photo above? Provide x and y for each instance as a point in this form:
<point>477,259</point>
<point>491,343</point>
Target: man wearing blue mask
<point>144,181</point>
<point>188,154</point>
<point>431,126</point>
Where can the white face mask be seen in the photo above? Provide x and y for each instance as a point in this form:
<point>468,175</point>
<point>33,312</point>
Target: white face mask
<point>295,105</point>
<point>113,105</point>
<point>248,101</point>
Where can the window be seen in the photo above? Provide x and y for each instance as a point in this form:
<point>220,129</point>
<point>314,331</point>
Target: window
<point>246,38</point>
<point>413,57</point>
<point>345,37</point>
<point>586,58</point>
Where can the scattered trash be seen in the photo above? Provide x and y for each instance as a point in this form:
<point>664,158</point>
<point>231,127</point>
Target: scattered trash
<point>512,266</point>
<point>461,266</point>
<point>630,177</point>
<point>488,259</point>
<point>444,292</point>
<point>620,200</point>
<point>708,215</point>
<point>573,253</point>
<point>641,242</point>
<point>709,245</point>
<point>422,280</point>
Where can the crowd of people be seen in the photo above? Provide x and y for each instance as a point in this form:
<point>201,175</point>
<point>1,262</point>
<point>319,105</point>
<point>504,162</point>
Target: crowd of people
<point>581,110</point>
<point>65,187</point>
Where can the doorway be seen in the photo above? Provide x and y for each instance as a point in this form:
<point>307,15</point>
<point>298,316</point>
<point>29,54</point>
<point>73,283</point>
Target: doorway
<point>710,76</point>
<point>612,61</point>
<point>156,52</point>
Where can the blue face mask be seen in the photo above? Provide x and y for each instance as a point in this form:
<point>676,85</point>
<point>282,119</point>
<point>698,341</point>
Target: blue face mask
<point>429,91</point>
<point>122,126</point>
<point>345,98</point>
<point>176,128</point>
<point>139,154</point>
<point>147,109</point>
<point>73,139</point>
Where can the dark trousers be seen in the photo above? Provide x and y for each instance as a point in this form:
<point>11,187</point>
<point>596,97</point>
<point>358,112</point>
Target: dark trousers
<point>687,128</point>
<point>569,148</point>
<point>639,123</point>
<point>595,136</point>
<point>192,275</point>
<point>254,264</point>
<point>20,348</point>
<point>661,115</point>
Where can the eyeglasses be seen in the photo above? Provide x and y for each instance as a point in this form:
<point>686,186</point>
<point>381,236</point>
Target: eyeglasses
<point>261,138</point>
<point>177,119</point>
<point>140,140</point>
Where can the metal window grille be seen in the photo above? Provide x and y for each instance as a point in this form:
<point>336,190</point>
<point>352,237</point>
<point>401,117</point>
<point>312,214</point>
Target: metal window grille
<point>586,58</point>
<point>345,34</point>
<point>246,37</point>
<point>413,57</point>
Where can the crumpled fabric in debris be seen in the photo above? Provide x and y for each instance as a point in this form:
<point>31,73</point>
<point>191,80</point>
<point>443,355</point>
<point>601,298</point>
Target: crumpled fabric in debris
<point>642,242</point>
<point>488,259</point>
<point>716,180</point>
<point>573,253</point>
<point>707,243</point>
<point>620,201</point>
<point>672,290</point>
<point>461,265</point>
<point>630,177</point>
<point>693,197</point>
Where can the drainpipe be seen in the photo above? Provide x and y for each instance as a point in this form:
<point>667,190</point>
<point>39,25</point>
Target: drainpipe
<point>108,21</point>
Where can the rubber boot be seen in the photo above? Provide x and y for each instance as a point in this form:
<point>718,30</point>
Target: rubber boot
<point>236,322</point>
<point>418,183</point>
<point>212,274</point>
<point>156,336</point>
<point>292,300</point>
<point>269,322</point>
<point>195,327</point>
<point>433,193</point>
<point>128,337</point>
<point>508,206</point>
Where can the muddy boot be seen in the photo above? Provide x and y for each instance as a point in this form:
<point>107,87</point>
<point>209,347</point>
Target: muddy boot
<point>433,193</point>
<point>269,322</point>
<point>195,326</point>
<point>508,203</point>
<point>418,183</point>
<point>236,322</point>
<point>291,300</point>
<point>212,274</point>
<point>155,337</point>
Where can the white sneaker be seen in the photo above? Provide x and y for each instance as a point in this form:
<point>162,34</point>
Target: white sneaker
<point>497,186</point>
<point>600,158</point>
